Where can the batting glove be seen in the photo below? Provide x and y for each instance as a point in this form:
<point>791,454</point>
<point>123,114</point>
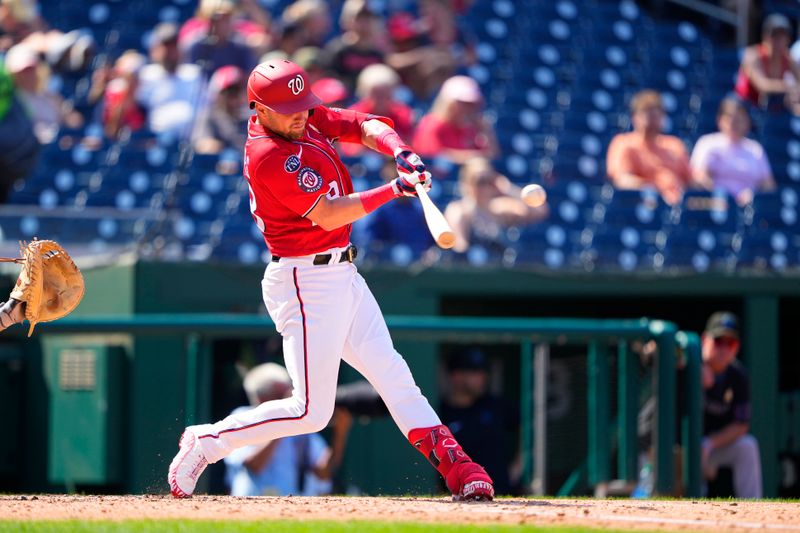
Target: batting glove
<point>408,162</point>
<point>404,184</point>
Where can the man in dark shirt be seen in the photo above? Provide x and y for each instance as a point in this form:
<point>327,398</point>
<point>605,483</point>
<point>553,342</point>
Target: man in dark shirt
<point>488,423</point>
<point>726,441</point>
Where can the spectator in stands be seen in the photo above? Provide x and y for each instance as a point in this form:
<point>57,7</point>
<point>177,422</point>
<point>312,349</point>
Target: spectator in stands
<point>473,414</point>
<point>217,43</point>
<point>310,59</point>
<point>18,20</point>
<point>169,89</point>
<point>727,410</point>
<point>47,109</point>
<point>645,157</point>
<point>358,46</point>
<point>440,23</point>
<point>422,66</point>
<point>250,22</point>
<point>728,159</point>
<point>331,91</point>
<point>489,203</point>
<point>120,107</point>
<point>19,148</point>
<point>376,89</point>
<point>767,69</point>
<point>223,121</point>
<point>308,21</point>
<point>428,50</point>
<point>456,128</point>
<point>69,55</point>
<point>298,465</point>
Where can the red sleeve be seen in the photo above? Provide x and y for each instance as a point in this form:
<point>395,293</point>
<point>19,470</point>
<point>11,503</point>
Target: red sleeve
<point>342,124</point>
<point>299,191</point>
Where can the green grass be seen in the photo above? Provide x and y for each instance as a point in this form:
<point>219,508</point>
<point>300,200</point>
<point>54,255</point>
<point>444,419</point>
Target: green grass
<point>316,526</point>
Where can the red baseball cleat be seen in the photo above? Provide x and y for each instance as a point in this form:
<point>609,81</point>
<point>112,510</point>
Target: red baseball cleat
<point>473,483</point>
<point>186,467</point>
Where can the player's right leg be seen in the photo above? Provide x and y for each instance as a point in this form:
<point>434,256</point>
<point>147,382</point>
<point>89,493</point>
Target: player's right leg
<point>310,306</point>
<point>369,349</point>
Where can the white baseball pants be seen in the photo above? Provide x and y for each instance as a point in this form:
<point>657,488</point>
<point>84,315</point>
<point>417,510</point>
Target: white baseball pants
<point>325,313</point>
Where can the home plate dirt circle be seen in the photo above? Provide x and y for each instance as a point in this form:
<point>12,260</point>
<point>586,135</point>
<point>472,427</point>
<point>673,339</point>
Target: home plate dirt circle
<point>681,515</point>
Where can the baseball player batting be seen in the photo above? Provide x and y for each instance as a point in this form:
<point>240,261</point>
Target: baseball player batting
<point>302,199</point>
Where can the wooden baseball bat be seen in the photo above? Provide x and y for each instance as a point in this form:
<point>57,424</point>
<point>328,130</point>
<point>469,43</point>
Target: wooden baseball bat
<point>437,225</point>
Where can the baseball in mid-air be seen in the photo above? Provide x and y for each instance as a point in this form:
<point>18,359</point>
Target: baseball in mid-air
<point>533,195</point>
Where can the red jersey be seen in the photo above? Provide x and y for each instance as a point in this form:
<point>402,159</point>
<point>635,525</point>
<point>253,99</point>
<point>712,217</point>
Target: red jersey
<point>744,85</point>
<point>287,178</point>
<point>434,134</point>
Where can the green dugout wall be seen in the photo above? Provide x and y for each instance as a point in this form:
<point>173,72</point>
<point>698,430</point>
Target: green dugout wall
<point>150,416</point>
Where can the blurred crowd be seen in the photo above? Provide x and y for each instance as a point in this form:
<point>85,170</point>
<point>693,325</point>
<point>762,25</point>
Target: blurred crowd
<point>410,64</point>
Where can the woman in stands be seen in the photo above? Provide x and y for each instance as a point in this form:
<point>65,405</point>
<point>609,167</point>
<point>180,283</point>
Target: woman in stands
<point>767,69</point>
<point>730,161</point>
<point>489,204</point>
<point>456,127</point>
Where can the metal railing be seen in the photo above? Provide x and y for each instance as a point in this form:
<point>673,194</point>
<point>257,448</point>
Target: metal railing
<point>535,336</point>
<point>738,17</point>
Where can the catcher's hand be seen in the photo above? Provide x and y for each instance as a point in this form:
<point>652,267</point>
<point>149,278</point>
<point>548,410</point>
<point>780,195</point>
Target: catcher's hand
<point>49,287</point>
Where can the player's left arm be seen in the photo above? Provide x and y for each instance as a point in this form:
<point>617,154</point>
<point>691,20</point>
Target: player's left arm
<point>373,131</point>
<point>376,133</point>
<point>331,213</point>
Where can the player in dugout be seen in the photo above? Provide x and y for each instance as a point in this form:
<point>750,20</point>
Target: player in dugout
<point>302,200</point>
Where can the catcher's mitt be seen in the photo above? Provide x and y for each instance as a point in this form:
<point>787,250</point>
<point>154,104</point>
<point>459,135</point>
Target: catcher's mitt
<point>50,284</point>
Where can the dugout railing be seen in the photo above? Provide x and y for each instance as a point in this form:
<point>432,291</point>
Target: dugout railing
<point>535,336</point>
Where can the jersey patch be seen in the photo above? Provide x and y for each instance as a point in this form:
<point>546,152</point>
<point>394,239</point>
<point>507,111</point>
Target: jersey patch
<point>292,164</point>
<point>309,180</point>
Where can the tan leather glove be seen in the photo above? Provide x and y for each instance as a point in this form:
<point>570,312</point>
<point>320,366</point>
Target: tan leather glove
<point>50,285</point>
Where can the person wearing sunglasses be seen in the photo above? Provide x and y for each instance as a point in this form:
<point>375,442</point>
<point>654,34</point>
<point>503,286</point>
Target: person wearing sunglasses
<point>727,409</point>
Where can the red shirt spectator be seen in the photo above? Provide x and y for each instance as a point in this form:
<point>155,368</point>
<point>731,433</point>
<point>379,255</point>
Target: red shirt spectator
<point>120,108</point>
<point>455,128</point>
<point>375,88</point>
<point>765,67</point>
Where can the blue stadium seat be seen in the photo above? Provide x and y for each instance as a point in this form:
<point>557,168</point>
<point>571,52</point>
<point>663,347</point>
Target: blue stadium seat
<point>548,243</point>
<point>767,250</point>
<point>702,250</point>
<point>643,209</point>
<point>625,249</point>
<point>701,209</point>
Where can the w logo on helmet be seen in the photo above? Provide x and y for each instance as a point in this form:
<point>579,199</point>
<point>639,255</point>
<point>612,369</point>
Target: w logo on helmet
<point>297,84</point>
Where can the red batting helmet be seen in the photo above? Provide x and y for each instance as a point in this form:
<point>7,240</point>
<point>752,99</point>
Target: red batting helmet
<point>281,86</point>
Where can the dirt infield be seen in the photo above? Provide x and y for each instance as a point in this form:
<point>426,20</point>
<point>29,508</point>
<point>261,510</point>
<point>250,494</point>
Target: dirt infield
<point>688,515</point>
